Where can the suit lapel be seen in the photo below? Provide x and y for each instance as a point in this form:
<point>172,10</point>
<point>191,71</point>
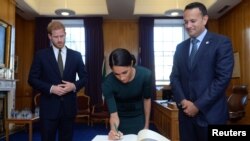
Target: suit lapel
<point>67,61</point>
<point>186,53</point>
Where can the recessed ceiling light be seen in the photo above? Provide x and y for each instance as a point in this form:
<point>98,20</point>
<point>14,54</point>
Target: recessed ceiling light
<point>174,13</point>
<point>65,12</point>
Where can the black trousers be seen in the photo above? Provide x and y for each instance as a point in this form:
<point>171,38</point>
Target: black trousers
<point>62,126</point>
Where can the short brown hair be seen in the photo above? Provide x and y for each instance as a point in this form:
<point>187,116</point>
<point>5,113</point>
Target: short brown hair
<point>54,25</point>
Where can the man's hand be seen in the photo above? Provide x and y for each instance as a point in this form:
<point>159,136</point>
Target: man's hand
<point>63,88</point>
<point>67,86</point>
<point>189,108</point>
<point>57,90</point>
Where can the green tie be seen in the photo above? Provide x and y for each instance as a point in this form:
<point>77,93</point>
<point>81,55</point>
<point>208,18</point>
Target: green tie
<point>60,62</point>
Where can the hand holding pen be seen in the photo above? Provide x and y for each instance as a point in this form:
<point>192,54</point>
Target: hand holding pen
<point>115,134</point>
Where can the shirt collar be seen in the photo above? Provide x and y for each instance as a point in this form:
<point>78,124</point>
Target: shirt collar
<point>202,35</point>
<point>62,49</point>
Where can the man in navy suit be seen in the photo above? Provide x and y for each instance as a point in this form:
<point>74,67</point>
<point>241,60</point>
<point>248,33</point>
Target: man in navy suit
<point>58,91</point>
<point>199,85</point>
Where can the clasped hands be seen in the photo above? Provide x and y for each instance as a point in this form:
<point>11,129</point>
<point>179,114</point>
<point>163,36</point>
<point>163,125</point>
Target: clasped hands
<point>189,108</point>
<point>115,135</point>
<point>62,89</point>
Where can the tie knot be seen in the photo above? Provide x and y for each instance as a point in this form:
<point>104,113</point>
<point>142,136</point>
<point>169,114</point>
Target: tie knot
<point>195,41</point>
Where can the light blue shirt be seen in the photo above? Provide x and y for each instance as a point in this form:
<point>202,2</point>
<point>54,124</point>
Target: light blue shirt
<point>200,38</point>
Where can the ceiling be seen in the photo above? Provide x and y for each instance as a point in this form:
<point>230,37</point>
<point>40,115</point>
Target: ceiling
<point>117,9</point>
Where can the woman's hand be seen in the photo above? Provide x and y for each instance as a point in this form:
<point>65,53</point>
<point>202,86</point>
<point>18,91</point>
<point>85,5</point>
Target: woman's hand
<point>114,135</point>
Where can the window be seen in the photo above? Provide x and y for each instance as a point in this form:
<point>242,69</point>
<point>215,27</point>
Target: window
<point>75,35</point>
<point>167,34</point>
<point>75,39</point>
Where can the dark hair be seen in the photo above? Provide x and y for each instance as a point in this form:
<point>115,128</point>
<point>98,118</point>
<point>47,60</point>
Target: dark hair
<point>199,5</point>
<point>121,57</point>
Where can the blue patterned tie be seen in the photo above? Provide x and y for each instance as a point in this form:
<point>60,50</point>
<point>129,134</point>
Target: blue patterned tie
<point>193,51</point>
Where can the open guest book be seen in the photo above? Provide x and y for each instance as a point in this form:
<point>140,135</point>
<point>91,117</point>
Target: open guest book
<point>143,135</point>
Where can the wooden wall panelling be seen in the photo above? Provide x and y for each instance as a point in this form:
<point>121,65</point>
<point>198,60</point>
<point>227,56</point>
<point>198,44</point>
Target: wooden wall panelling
<point>24,102</point>
<point>120,34</point>
<point>18,47</point>
<point>213,25</point>
<point>4,9</point>
<point>245,40</point>
<point>237,31</point>
<point>7,12</point>
<point>12,12</point>
<point>24,50</point>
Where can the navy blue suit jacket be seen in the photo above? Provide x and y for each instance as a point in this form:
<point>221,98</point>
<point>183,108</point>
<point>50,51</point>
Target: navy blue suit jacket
<point>44,73</point>
<point>206,82</point>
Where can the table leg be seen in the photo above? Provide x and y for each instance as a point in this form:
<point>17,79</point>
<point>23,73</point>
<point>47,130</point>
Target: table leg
<point>7,130</point>
<point>30,131</point>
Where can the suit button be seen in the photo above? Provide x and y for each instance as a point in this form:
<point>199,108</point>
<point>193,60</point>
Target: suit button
<point>61,98</point>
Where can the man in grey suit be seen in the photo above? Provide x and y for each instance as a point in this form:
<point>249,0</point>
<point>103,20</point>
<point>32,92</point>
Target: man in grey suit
<point>53,73</point>
<point>200,77</point>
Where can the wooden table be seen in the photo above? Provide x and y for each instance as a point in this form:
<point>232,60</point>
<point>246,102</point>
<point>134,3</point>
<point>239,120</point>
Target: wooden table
<point>20,121</point>
<point>165,118</point>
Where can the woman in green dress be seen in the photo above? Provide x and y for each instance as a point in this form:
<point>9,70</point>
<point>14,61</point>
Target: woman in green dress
<point>127,91</point>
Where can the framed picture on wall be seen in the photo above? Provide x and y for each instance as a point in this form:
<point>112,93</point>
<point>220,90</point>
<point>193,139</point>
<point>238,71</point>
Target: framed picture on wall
<point>5,31</point>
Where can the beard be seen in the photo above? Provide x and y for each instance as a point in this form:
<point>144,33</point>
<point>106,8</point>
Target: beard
<point>59,44</point>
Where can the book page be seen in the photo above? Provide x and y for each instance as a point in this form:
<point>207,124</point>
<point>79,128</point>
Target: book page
<point>128,137</point>
<point>149,135</point>
<point>100,138</point>
<point>143,135</point>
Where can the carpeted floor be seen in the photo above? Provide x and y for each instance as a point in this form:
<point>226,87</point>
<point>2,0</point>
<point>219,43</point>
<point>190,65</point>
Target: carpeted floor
<point>82,132</point>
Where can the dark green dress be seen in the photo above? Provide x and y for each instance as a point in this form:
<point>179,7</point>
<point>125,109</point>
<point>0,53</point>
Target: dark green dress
<point>127,99</point>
